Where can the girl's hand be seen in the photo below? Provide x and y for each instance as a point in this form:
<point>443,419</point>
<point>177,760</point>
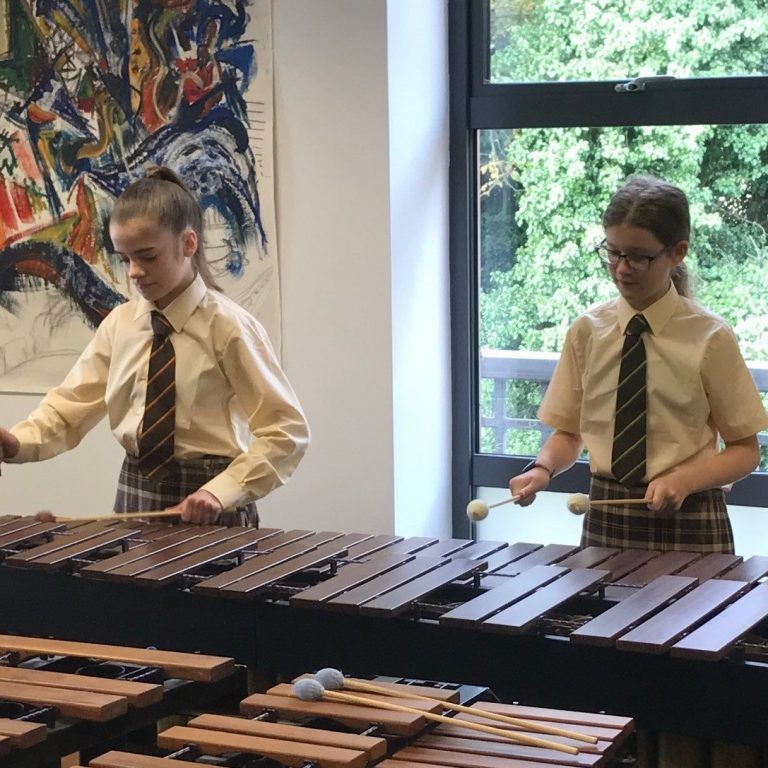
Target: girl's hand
<point>200,508</point>
<point>667,494</point>
<point>527,485</point>
<point>9,445</point>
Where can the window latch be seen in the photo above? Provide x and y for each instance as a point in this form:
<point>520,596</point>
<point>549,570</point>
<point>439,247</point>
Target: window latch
<point>639,83</point>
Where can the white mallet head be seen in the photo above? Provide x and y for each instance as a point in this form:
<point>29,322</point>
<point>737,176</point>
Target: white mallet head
<point>330,678</point>
<point>477,510</point>
<point>308,689</point>
<point>578,503</point>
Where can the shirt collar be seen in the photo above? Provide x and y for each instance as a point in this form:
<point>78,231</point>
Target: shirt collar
<point>181,308</point>
<point>657,315</point>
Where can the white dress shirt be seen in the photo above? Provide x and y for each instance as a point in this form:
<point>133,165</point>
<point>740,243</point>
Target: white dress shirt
<point>232,397</point>
<point>698,384</point>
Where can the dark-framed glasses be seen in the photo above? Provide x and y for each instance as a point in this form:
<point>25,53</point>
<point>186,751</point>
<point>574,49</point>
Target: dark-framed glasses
<point>637,261</point>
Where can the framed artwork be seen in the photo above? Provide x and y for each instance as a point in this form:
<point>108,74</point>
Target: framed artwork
<point>92,94</point>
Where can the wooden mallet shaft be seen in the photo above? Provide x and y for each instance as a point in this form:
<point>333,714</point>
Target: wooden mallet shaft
<point>362,685</point>
<point>118,517</point>
<point>618,502</point>
<point>521,738</point>
<point>503,501</point>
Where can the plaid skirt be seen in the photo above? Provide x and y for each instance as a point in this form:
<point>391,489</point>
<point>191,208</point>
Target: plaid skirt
<point>137,494</point>
<point>700,525</point>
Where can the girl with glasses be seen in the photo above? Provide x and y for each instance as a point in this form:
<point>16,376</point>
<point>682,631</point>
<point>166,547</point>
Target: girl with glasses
<point>650,384</point>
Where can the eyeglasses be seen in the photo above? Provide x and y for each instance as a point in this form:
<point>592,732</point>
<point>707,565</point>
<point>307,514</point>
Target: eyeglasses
<point>636,261</point>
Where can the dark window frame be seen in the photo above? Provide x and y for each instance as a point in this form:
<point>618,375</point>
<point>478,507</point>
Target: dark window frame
<point>476,104</point>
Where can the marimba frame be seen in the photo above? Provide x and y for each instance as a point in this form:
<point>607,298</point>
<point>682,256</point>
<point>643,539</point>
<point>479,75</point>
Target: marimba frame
<point>661,691</point>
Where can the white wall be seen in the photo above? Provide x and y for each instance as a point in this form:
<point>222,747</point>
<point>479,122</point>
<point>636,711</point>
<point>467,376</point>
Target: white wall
<point>361,188</point>
<point>418,143</point>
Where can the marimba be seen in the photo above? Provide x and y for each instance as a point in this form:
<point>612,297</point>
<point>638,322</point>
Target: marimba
<point>290,732</point>
<point>58,697</point>
<point>614,629</point>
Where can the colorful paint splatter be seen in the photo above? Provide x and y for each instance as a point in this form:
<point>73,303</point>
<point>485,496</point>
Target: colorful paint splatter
<point>92,93</point>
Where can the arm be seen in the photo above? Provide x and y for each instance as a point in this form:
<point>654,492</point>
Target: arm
<point>556,455</point>
<point>561,409</point>
<point>668,491</point>
<point>68,411</point>
<point>737,414</point>
<point>279,431</point>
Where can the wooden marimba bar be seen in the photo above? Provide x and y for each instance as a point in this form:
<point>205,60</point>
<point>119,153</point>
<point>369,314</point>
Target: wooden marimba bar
<point>614,628</point>
<point>57,697</point>
<point>290,732</point>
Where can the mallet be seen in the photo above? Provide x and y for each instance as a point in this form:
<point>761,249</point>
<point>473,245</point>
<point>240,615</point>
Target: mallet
<point>478,509</point>
<point>333,680</point>
<point>48,517</point>
<point>309,689</point>
<point>579,503</point>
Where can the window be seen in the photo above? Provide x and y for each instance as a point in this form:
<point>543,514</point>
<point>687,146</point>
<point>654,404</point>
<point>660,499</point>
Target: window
<point>554,103</point>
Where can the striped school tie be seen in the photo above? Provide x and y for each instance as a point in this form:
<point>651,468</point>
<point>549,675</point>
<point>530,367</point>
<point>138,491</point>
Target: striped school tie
<point>156,440</point>
<point>628,455</point>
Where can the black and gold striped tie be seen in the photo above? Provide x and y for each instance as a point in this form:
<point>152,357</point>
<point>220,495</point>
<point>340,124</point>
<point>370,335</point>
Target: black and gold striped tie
<point>156,440</point>
<point>628,455</point>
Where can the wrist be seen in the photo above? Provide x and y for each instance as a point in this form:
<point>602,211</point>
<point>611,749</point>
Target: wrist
<point>536,464</point>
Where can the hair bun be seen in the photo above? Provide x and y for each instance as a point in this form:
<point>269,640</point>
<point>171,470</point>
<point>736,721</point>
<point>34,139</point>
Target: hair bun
<point>163,173</point>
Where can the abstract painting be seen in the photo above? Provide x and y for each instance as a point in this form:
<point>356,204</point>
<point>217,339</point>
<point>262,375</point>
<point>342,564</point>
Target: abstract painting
<point>93,92</point>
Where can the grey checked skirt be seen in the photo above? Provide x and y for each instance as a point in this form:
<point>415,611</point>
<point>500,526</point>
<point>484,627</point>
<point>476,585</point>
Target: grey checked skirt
<point>700,525</point>
<point>137,494</point>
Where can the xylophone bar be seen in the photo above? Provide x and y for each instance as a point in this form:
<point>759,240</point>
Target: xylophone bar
<point>52,712</point>
<point>187,666</point>
<point>21,735</point>
<point>397,723</point>
<point>136,694</point>
<point>128,760</point>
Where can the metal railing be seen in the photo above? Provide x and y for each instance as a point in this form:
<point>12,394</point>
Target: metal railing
<point>502,366</point>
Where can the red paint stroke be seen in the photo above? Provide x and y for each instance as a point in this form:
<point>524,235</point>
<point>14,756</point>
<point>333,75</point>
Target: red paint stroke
<point>38,269</point>
<point>23,154</point>
<point>21,201</point>
<point>86,104</point>
<point>82,239</point>
<point>7,208</point>
<point>39,115</point>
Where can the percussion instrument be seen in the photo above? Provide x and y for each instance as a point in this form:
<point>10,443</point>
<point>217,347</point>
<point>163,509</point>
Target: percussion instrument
<point>291,732</point>
<point>614,630</point>
<point>57,697</point>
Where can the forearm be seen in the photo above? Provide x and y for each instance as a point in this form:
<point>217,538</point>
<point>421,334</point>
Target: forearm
<point>269,463</point>
<point>560,451</point>
<point>713,470</point>
<point>45,433</point>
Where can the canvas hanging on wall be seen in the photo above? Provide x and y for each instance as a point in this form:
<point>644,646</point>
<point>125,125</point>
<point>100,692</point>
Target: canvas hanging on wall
<point>91,94</point>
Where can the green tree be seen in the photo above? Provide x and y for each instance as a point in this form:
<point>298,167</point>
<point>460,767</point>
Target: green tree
<point>543,190</point>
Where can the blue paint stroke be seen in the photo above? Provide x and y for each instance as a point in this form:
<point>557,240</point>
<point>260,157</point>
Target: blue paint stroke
<point>23,264</point>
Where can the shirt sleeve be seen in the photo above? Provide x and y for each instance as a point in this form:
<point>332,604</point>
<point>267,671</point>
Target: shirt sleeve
<point>70,410</point>
<point>736,407</point>
<point>561,405</point>
<point>275,419</point>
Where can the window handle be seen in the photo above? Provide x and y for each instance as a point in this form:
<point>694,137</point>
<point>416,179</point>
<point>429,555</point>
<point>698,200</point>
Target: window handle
<point>639,83</point>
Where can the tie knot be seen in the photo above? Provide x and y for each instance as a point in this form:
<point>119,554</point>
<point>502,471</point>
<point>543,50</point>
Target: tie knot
<point>637,325</point>
<point>160,325</point>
